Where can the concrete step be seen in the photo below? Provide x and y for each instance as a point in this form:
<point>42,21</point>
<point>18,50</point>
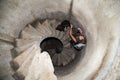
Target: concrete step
<point>60,35</point>
<point>52,29</point>
<point>47,27</point>
<point>66,33</point>
<point>57,33</point>
<point>41,29</point>
<point>25,35</point>
<point>63,60</point>
<point>63,33</point>
<point>22,42</point>
<point>65,36</point>
<point>24,47</point>
<point>6,37</point>
<point>40,68</point>
<point>71,53</point>
<point>18,61</point>
<point>51,52</point>
<point>66,43</point>
<point>53,32</point>
<point>67,58</point>
<point>59,62</point>
<point>54,24</point>
<point>24,68</point>
<point>29,32</point>
<point>65,39</point>
<point>55,59</point>
<point>31,29</point>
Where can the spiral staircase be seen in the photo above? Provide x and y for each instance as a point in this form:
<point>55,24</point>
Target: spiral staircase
<point>28,48</point>
<point>100,21</point>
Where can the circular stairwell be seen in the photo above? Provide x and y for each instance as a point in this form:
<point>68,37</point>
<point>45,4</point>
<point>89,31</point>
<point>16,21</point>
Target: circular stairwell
<point>33,37</point>
<point>100,20</point>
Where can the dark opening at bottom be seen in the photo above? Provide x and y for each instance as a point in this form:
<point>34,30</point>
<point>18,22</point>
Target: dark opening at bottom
<point>52,45</point>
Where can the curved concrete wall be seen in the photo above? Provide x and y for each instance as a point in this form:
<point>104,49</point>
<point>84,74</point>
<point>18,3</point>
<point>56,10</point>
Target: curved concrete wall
<point>100,20</point>
<point>101,23</point>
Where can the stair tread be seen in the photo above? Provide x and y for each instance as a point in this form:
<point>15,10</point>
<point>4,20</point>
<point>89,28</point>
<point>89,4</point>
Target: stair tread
<point>29,32</point>
<point>60,35</point>
<point>67,58</point>
<point>24,68</point>
<point>29,35</point>
<point>41,29</point>
<point>47,25</point>
<point>54,24</point>
<point>71,53</point>
<point>21,58</point>
<point>65,42</point>
<point>57,33</point>
<point>41,67</point>
<point>64,61</point>
<point>55,59</point>
<point>65,36</point>
<point>59,60</point>
<point>31,29</point>
<point>22,42</point>
<point>24,47</point>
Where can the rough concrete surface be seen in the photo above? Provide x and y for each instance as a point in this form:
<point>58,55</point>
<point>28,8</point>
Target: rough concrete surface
<point>101,23</point>
<point>5,57</point>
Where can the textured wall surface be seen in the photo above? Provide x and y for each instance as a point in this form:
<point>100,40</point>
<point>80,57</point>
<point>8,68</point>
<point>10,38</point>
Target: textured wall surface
<point>101,23</point>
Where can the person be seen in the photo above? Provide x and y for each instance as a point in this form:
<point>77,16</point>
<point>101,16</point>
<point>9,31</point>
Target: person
<point>76,34</point>
<point>77,38</point>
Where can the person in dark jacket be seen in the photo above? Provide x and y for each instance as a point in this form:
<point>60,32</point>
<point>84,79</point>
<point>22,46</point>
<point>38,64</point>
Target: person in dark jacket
<point>77,38</point>
<point>76,34</point>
